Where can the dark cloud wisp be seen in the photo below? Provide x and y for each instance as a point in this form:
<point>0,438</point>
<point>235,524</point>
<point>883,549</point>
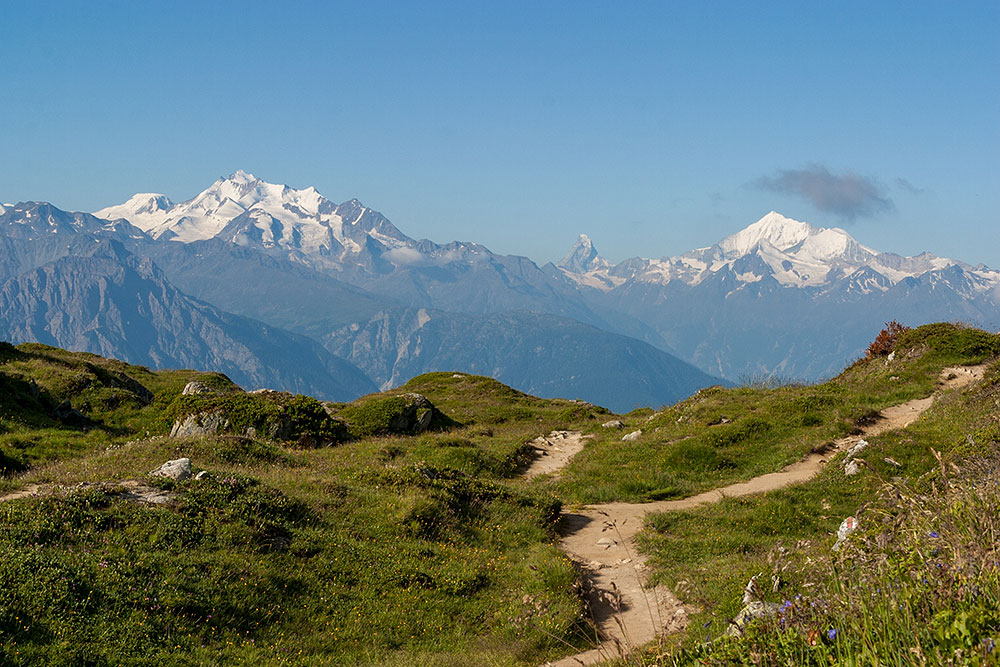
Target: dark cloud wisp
<point>847,194</point>
<point>904,184</point>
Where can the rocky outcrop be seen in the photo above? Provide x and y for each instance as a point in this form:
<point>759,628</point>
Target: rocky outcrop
<point>851,463</point>
<point>415,418</point>
<point>200,425</point>
<point>847,526</point>
<point>65,413</point>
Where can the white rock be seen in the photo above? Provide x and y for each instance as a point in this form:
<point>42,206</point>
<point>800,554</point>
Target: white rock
<point>631,437</point>
<point>178,469</point>
<point>614,423</point>
<point>859,447</point>
<point>847,526</point>
<point>196,387</point>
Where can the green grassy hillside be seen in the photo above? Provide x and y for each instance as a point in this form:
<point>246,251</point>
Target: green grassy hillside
<point>917,584</point>
<point>329,534</point>
<point>383,549</point>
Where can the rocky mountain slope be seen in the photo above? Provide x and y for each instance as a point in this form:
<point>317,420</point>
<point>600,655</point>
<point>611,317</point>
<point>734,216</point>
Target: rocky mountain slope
<point>544,355</point>
<point>68,280</point>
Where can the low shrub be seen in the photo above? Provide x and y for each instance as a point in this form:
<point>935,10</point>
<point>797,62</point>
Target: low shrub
<point>885,342</point>
<point>374,416</point>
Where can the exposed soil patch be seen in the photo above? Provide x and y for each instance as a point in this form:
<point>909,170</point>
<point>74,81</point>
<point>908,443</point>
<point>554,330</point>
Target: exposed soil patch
<point>554,451</point>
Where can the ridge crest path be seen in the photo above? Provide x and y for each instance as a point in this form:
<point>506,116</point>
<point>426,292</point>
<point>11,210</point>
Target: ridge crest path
<point>601,537</point>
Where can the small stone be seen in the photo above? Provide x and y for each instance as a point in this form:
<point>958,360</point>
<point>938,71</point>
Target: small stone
<point>858,447</point>
<point>847,526</point>
<point>202,475</point>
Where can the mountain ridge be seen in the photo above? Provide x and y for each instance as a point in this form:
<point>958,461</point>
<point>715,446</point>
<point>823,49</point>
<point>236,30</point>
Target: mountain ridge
<point>814,294</point>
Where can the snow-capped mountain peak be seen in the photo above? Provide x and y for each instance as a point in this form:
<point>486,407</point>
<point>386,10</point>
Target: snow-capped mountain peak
<point>773,228</point>
<point>584,265</point>
<point>144,210</point>
<point>583,257</point>
<point>246,210</point>
<point>793,253</point>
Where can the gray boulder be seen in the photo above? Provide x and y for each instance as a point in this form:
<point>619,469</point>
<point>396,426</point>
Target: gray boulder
<point>199,425</point>
<point>65,413</point>
<point>614,423</point>
<point>851,466</point>
<point>631,437</point>
<point>415,418</point>
<point>177,469</point>
<point>196,387</point>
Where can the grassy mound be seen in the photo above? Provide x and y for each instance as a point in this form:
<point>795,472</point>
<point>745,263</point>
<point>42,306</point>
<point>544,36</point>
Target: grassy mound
<point>118,402</point>
<point>297,419</point>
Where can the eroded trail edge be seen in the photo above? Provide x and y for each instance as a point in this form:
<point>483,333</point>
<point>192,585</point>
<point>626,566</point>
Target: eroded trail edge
<point>601,538</point>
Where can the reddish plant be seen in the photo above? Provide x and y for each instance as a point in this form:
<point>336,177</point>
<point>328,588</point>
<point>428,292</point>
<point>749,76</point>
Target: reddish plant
<point>886,340</point>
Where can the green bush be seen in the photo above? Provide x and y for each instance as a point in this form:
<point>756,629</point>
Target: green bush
<point>374,416</point>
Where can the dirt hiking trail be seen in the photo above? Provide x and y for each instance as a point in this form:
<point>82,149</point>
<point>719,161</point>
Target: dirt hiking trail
<point>601,537</point>
<point>554,451</point>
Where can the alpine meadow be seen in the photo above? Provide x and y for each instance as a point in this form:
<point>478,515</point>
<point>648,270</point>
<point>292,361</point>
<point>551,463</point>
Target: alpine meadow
<point>479,335</point>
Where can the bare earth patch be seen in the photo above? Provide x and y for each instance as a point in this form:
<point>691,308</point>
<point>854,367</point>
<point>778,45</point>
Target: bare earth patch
<point>554,451</point>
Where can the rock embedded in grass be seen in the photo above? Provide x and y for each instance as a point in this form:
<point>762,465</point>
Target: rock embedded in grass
<point>177,469</point>
<point>199,425</point>
<point>195,387</point>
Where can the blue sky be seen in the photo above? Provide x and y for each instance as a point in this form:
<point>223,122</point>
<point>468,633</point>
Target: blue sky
<point>654,128</point>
